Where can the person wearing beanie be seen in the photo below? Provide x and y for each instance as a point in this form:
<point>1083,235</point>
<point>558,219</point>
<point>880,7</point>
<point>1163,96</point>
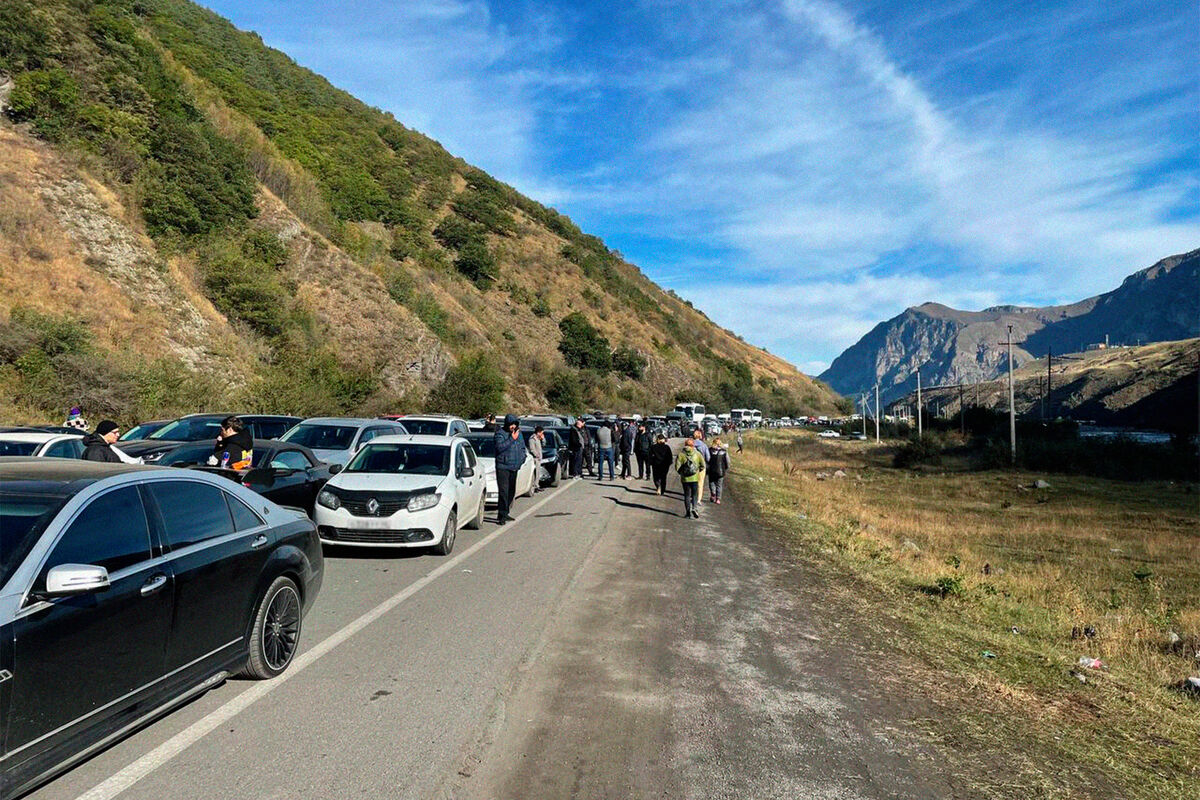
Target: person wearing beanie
<point>75,420</point>
<point>98,446</point>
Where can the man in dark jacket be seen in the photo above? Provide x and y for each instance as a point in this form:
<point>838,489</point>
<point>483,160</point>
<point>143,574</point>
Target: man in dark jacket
<point>98,446</point>
<point>234,448</point>
<point>577,443</point>
<point>510,455</point>
<point>660,462</point>
<point>625,445</point>
<point>641,448</point>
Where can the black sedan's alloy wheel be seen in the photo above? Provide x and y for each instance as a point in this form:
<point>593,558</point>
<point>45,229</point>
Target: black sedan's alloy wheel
<point>275,634</point>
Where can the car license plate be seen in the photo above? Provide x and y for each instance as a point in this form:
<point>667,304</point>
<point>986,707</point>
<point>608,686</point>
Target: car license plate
<point>370,524</point>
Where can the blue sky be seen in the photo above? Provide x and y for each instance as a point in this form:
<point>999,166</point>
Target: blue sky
<point>802,169</point>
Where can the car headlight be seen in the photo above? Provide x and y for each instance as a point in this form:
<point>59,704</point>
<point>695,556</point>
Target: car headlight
<point>424,501</point>
<point>329,499</point>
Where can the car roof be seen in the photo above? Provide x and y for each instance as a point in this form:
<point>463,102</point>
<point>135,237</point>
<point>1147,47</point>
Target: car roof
<point>215,415</point>
<point>431,417</point>
<point>62,470</point>
<point>346,421</point>
<point>401,438</point>
<point>37,437</point>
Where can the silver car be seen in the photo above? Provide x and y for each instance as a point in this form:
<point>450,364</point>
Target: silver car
<point>335,439</point>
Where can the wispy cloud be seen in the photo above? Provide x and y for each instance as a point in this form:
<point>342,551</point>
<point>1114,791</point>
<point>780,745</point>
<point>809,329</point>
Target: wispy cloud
<point>825,162</point>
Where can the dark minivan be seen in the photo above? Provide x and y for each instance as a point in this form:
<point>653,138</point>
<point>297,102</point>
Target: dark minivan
<point>127,590</point>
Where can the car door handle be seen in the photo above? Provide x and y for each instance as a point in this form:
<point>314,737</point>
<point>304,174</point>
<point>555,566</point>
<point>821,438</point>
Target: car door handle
<point>259,541</point>
<point>153,585</point>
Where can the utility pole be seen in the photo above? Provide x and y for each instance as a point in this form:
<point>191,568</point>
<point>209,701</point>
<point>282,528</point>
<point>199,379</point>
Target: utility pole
<point>1049,364</point>
<point>920,427</point>
<point>1012,408</point>
<point>876,412</point>
<point>962,411</point>
<point>863,399</point>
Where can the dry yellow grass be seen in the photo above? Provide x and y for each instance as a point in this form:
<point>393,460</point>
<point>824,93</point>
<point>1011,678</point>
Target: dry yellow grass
<point>963,557</point>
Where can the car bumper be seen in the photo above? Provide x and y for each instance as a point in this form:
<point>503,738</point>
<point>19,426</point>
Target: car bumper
<point>402,529</point>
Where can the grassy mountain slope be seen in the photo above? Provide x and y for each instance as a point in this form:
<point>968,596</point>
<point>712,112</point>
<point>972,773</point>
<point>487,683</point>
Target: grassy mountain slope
<point>338,260</point>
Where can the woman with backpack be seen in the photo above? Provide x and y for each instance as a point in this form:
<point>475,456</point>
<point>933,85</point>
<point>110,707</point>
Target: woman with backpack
<point>690,464</point>
<point>718,465</point>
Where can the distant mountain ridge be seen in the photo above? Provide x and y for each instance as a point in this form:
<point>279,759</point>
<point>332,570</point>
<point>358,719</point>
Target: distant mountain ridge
<point>1159,303</point>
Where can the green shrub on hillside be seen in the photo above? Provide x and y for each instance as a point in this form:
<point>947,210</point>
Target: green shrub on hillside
<point>472,388</point>
<point>564,392</point>
<point>477,263</point>
<point>629,362</point>
<point>582,345</point>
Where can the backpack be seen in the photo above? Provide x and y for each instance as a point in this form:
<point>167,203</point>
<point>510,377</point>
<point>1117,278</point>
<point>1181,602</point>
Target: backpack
<point>688,468</point>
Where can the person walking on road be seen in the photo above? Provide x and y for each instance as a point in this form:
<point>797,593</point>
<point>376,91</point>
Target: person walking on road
<point>690,466</point>
<point>75,420</point>
<point>98,446</point>
<point>577,446</point>
<point>702,449</point>
<point>510,455</point>
<point>628,435</point>
<point>739,442</point>
<point>642,443</point>
<point>660,459</point>
<point>534,446</point>
<point>718,465</point>
<point>604,445</point>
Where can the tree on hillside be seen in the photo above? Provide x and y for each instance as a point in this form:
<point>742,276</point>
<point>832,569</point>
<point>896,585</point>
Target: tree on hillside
<point>582,345</point>
<point>565,391</point>
<point>629,362</point>
<point>472,388</point>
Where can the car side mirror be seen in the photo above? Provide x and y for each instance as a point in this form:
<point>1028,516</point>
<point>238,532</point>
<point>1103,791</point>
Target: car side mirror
<point>67,580</point>
<point>466,472</point>
<point>334,469</point>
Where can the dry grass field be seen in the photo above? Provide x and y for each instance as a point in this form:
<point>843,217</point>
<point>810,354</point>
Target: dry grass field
<point>993,590</point>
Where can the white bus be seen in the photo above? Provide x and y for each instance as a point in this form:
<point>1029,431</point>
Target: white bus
<point>755,417</point>
<point>692,411</point>
<point>740,416</point>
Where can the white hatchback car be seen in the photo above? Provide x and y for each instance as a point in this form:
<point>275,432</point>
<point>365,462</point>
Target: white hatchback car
<point>42,444</point>
<point>484,445</point>
<point>403,491</point>
<point>828,434</point>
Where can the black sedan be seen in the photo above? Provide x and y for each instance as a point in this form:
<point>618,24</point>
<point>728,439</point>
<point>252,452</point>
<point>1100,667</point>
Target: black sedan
<point>126,591</point>
<point>284,473</point>
<point>203,427</point>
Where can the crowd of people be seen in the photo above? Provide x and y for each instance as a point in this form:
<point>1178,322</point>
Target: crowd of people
<point>699,464</point>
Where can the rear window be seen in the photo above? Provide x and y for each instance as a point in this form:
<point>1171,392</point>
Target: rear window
<point>17,448</point>
<point>425,427</point>
<point>484,446</point>
<point>321,437</point>
<point>23,517</point>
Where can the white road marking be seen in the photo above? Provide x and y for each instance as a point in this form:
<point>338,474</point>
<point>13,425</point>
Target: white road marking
<point>159,756</point>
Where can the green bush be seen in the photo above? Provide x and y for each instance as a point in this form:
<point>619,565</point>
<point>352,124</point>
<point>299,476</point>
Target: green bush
<point>471,388</point>
<point>564,392</point>
<point>541,306</point>
<point>455,233</point>
<point>924,450</point>
<point>476,262</point>
<point>629,362</point>
<point>433,315</point>
<point>582,345</point>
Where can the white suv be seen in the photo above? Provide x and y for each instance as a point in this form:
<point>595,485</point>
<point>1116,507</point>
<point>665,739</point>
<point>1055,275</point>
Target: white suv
<point>403,491</point>
<point>433,424</point>
<point>43,444</point>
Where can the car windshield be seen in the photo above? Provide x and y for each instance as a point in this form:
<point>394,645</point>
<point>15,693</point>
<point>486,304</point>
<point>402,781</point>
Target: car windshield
<point>23,517</point>
<point>484,446</point>
<point>140,431</point>
<point>187,454</point>
<point>9,448</point>
<point>315,436</point>
<point>425,427</point>
<point>406,459</point>
<point>189,429</point>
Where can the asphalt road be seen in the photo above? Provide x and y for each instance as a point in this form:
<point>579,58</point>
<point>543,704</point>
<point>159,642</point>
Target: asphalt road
<point>600,647</point>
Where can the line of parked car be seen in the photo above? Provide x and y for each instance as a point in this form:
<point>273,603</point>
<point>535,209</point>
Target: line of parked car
<point>147,585</point>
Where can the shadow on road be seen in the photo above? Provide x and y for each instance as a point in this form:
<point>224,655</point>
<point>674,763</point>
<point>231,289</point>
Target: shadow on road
<point>624,504</point>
